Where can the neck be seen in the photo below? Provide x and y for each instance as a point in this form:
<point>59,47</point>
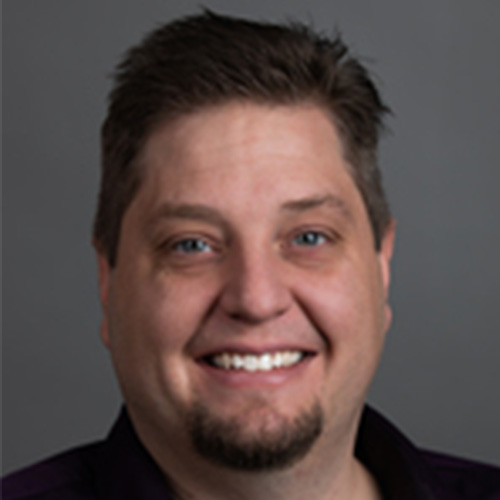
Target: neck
<point>329,471</point>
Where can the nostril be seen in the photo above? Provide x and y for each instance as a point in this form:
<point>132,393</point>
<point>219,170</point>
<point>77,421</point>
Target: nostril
<point>256,307</point>
<point>254,290</point>
<point>255,317</point>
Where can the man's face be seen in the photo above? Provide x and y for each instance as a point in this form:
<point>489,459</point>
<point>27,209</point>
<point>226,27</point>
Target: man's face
<point>247,284</point>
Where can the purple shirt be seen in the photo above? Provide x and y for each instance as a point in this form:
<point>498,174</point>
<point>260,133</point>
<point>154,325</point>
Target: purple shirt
<point>119,468</point>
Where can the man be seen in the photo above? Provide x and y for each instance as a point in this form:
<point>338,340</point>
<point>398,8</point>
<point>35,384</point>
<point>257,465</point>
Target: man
<point>244,243</point>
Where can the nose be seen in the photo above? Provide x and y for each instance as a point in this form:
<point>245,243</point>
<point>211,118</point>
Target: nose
<point>255,289</point>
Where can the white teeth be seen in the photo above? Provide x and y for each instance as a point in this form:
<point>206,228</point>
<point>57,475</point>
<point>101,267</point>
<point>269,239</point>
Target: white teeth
<point>252,363</point>
<point>291,358</point>
<point>226,361</point>
<point>235,362</point>
<point>266,362</point>
<point>278,359</point>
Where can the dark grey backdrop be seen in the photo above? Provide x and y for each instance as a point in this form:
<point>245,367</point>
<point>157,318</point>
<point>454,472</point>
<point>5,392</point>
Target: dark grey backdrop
<point>438,65</point>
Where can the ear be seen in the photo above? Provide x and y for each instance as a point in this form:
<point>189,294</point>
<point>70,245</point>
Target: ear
<point>104,278</point>
<point>384,256</point>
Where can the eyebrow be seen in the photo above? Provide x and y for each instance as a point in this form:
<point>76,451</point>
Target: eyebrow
<point>310,203</point>
<point>200,213</point>
<point>211,216</point>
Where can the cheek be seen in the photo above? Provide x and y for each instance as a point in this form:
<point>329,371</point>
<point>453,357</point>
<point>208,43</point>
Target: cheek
<point>158,313</point>
<point>349,315</point>
<point>152,324</point>
<point>349,312</point>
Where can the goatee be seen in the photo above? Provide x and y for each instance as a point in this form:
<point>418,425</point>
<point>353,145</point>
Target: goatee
<point>228,442</point>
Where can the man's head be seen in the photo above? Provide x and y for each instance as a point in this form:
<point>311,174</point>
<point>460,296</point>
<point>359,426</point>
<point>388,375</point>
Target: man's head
<point>207,60</point>
<point>244,257</point>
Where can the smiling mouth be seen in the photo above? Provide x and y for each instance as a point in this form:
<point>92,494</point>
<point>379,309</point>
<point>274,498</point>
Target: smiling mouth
<point>256,362</point>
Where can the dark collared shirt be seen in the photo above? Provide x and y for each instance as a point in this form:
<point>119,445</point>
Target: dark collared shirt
<point>119,468</point>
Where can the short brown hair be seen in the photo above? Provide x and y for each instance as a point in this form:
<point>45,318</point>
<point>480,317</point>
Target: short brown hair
<point>209,59</point>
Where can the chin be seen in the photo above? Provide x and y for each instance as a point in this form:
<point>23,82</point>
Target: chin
<point>259,440</point>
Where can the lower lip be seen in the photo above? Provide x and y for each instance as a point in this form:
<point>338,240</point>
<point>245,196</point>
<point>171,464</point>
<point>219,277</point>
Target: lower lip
<point>241,379</point>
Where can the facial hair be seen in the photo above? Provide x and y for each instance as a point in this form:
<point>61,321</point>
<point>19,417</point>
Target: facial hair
<point>227,442</point>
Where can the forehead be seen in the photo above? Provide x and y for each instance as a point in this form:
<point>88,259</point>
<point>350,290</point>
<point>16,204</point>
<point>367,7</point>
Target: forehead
<point>262,153</point>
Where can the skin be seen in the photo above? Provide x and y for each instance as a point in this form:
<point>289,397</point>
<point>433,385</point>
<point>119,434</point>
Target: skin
<point>246,182</point>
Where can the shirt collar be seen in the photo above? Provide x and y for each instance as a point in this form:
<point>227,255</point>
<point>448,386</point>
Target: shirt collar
<point>125,470</point>
<point>398,466</point>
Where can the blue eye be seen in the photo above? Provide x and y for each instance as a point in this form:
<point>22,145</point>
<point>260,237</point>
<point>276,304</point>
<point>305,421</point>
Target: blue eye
<point>309,238</point>
<point>192,245</point>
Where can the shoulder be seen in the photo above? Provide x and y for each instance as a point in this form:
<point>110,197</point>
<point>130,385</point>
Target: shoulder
<point>117,467</point>
<point>472,480</point>
<point>404,470</point>
<point>65,476</point>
